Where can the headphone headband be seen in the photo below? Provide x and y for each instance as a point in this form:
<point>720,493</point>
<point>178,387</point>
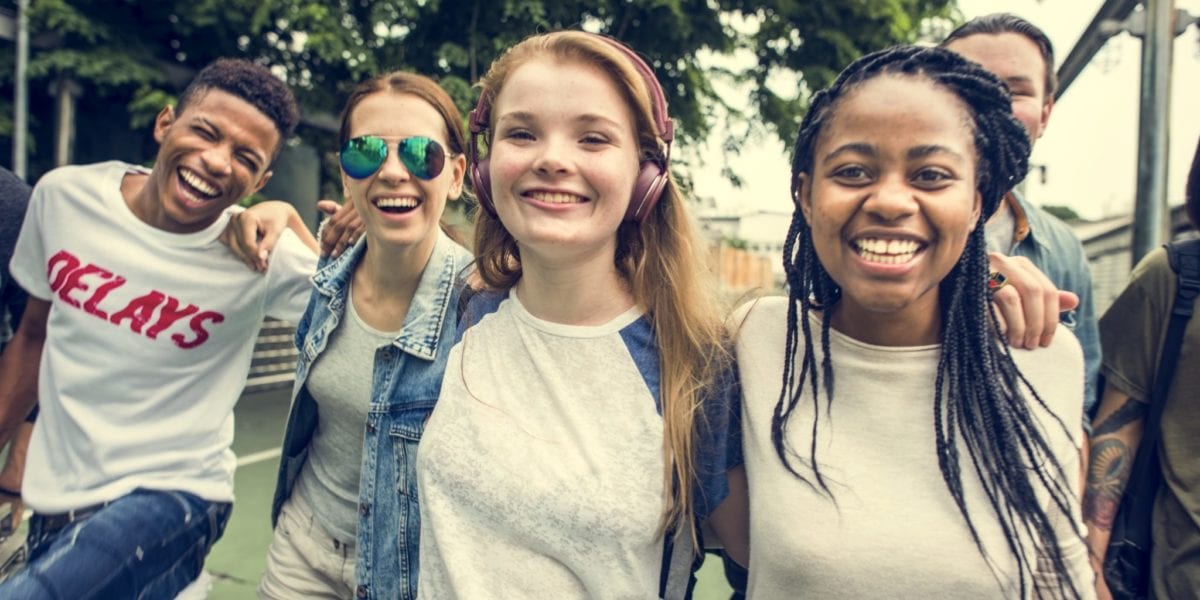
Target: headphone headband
<point>652,178</point>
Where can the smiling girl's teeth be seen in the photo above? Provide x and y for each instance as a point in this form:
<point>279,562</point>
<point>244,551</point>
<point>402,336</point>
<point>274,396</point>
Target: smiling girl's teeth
<point>555,198</point>
<point>888,252</point>
<point>199,184</point>
<point>396,203</point>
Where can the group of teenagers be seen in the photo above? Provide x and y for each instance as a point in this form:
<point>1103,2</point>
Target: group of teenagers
<point>567,408</point>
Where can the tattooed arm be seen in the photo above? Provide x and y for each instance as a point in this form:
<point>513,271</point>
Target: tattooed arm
<point>1113,445</point>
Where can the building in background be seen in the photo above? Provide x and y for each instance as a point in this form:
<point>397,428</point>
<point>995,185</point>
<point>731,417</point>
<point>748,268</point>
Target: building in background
<point>1108,244</point>
<point>748,247</point>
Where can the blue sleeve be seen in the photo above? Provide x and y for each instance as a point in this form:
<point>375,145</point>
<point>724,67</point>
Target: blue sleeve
<point>1076,276</point>
<point>1088,332</point>
<point>640,342</point>
<point>718,440</point>
<point>473,306</point>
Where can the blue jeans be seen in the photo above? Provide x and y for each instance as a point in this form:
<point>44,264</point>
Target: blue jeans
<point>148,545</point>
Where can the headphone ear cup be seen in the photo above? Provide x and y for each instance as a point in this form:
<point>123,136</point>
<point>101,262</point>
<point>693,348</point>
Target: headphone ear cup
<point>651,181</point>
<point>481,181</point>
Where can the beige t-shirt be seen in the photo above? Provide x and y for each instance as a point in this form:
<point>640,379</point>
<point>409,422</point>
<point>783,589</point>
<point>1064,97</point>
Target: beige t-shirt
<point>892,529</point>
<point>1131,333</point>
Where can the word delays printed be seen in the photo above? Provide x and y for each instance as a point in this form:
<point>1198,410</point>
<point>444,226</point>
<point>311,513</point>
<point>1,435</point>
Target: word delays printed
<point>85,286</point>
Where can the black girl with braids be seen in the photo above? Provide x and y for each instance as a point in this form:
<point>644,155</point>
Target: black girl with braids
<point>932,468</point>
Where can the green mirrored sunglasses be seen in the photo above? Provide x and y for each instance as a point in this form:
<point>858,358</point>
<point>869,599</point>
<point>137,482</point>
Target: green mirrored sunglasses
<point>362,156</point>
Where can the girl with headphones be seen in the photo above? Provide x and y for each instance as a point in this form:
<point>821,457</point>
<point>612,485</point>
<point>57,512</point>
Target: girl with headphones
<point>583,429</point>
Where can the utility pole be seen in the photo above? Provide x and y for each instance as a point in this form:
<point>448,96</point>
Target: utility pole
<point>1149,222</point>
<point>21,85</point>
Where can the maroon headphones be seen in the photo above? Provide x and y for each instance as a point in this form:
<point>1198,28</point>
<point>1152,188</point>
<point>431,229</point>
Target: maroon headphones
<point>651,179</point>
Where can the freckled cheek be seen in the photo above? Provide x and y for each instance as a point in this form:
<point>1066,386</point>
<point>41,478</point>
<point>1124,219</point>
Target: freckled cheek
<point>505,169</point>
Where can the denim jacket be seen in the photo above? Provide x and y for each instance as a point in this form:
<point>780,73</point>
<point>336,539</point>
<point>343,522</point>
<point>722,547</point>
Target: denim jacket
<point>1053,247</point>
<point>407,380</point>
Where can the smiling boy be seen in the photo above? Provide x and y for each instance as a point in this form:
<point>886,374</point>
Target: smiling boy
<point>137,341</point>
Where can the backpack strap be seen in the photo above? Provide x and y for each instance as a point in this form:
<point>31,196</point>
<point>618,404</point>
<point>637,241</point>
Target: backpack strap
<point>1184,258</point>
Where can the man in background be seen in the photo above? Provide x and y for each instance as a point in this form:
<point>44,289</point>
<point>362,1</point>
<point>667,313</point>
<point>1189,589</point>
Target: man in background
<point>1021,55</point>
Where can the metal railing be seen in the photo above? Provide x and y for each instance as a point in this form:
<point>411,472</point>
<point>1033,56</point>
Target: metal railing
<point>274,361</point>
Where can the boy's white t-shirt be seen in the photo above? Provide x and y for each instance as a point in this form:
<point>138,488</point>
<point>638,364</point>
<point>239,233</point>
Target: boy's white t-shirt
<point>148,342</point>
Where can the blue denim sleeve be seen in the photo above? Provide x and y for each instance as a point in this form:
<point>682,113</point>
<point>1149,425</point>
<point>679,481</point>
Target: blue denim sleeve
<point>1088,332</point>
<point>1060,255</point>
<point>1075,275</point>
<point>718,440</point>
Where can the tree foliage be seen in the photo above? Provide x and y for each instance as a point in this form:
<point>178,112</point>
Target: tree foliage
<point>1064,213</point>
<point>139,53</point>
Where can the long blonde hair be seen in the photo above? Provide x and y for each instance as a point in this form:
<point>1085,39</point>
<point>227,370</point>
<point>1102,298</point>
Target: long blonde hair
<point>661,258</point>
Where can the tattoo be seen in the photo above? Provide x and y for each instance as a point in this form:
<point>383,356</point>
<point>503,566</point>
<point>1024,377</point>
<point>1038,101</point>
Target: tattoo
<point>1108,471</point>
<point>1129,412</point>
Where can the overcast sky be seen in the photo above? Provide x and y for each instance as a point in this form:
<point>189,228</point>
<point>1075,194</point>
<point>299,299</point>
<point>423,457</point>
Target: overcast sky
<point>1090,146</point>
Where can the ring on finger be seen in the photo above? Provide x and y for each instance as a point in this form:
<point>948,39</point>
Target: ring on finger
<point>996,280</point>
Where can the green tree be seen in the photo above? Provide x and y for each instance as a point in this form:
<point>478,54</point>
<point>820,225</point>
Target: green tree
<point>815,40</point>
<point>1065,213</point>
<point>137,54</point>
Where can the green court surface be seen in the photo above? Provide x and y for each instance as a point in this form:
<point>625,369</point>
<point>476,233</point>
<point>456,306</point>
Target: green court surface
<point>237,561</point>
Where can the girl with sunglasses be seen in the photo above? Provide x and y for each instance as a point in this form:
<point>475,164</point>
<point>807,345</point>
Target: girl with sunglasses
<point>584,413</point>
<point>373,345</point>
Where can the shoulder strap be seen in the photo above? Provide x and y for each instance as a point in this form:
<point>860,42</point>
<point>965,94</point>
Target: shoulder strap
<point>1184,258</point>
<point>1140,491</point>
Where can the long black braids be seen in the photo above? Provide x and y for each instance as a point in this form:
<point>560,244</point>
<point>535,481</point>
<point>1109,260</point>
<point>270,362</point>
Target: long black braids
<point>978,397</point>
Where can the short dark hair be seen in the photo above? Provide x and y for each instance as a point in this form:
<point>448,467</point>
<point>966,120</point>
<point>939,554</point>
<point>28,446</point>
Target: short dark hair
<point>252,83</point>
<point>997,23</point>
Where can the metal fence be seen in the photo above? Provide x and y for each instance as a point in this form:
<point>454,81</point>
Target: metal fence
<point>274,361</point>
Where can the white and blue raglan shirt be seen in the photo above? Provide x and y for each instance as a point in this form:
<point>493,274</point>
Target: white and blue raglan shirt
<point>541,468</point>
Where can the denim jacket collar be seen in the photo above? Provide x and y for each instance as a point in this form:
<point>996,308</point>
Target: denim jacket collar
<point>422,328</point>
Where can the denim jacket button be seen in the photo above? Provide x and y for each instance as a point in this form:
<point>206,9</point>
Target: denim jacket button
<point>370,427</point>
<point>361,591</point>
<point>364,509</point>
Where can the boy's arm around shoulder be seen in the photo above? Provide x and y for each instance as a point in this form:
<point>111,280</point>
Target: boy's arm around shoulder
<point>289,278</point>
<point>253,233</point>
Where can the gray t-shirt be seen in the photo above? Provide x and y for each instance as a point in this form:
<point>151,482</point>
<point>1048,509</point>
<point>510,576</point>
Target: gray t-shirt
<point>340,383</point>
